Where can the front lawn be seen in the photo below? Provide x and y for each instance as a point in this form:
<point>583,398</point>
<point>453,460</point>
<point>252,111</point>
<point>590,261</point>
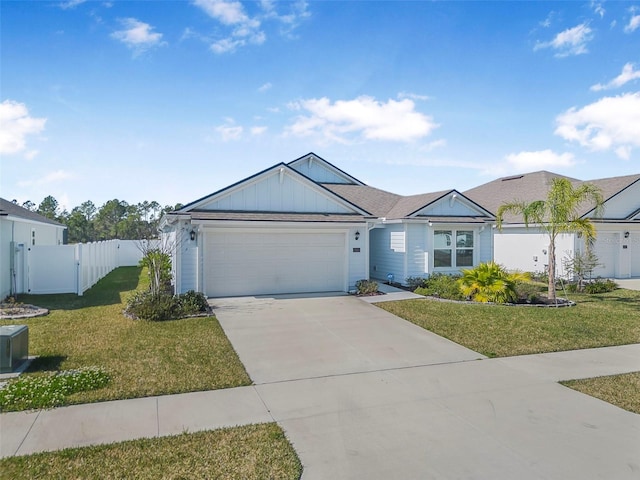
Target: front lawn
<point>249,452</point>
<point>621,390</point>
<point>142,358</point>
<point>500,331</point>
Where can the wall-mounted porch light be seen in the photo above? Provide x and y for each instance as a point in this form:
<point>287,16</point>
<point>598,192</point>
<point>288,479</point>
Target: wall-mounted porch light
<point>192,235</point>
<point>357,234</point>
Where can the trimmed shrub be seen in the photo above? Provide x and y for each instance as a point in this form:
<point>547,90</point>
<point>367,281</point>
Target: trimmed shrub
<point>600,286</point>
<point>441,285</point>
<point>529,292</point>
<point>366,287</point>
<point>416,282</point>
<point>164,306</point>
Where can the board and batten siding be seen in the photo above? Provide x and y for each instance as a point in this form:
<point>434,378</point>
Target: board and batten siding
<point>485,247</point>
<point>623,204</point>
<point>384,260</point>
<point>277,193</point>
<point>318,172</point>
<point>445,207</point>
<point>417,251</point>
<point>357,260</point>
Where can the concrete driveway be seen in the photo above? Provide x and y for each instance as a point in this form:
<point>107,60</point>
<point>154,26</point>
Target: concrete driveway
<point>300,337</point>
<point>363,394</point>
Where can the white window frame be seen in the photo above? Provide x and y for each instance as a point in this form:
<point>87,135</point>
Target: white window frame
<point>454,248</point>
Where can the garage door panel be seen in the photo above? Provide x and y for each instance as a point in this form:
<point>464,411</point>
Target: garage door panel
<point>634,246</point>
<point>255,263</point>
<point>606,248</point>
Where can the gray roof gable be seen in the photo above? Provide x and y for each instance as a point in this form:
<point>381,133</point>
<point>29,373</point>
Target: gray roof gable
<point>529,187</point>
<point>8,208</point>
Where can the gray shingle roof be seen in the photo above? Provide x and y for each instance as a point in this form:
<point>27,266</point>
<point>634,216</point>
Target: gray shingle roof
<point>10,208</point>
<point>534,186</point>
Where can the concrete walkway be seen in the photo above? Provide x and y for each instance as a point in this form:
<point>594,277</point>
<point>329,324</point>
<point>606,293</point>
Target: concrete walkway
<point>461,418</point>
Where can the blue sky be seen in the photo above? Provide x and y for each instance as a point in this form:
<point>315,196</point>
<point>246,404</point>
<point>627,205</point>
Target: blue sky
<point>173,100</point>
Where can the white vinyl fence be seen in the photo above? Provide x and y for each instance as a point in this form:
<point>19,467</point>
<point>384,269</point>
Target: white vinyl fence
<point>76,268</point>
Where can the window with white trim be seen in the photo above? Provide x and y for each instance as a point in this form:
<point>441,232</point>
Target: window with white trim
<point>452,248</point>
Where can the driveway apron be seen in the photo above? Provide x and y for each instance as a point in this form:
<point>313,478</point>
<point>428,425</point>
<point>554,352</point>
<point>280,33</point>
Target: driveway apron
<point>296,337</point>
<point>363,394</point>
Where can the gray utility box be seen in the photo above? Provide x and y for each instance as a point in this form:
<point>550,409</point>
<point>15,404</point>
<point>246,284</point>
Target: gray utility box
<point>14,347</point>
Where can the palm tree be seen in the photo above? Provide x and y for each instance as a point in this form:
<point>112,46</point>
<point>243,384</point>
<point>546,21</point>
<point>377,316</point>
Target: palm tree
<point>558,214</point>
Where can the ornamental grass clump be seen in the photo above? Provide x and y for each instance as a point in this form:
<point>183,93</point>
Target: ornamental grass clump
<point>50,390</point>
<point>489,282</point>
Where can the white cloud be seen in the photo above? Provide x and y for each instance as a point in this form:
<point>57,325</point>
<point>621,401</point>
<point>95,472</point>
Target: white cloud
<point>628,74</point>
<point>363,117</point>
<point>609,123</point>
<point>15,125</point>
<point>228,13</point>
<point>265,87</point>
<point>597,8</point>
<point>52,177</point>
<point>572,41</point>
<point>244,29</point>
<point>258,130</point>
<point>229,131</point>
<point>137,35</point>
<point>633,25</point>
<point>413,96</point>
<point>70,4</point>
<point>542,159</point>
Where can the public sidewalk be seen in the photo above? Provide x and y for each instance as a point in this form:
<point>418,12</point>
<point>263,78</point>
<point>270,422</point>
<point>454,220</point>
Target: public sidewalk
<point>383,414</point>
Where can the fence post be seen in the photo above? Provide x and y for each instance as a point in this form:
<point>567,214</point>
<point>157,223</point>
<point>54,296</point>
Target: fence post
<point>79,290</point>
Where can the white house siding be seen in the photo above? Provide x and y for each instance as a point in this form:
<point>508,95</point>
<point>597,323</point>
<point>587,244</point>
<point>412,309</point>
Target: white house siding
<point>278,193</point>
<point>523,249</point>
<point>318,172</point>
<point>357,260</point>
<point>623,204</point>
<point>189,265</point>
<point>485,247</point>
<point>447,207</point>
<point>384,260</point>
<point>417,248</point>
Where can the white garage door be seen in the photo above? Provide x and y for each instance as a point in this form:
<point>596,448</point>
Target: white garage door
<point>606,249</point>
<point>271,262</point>
<point>634,245</point>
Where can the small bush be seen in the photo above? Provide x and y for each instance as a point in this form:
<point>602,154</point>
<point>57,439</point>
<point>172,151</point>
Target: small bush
<point>164,306</point>
<point>366,287</point>
<point>416,282</point>
<point>600,286</point>
<point>192,303</point>
<point>528,292</point>
<point>441,285</point>
<point>48,391</point>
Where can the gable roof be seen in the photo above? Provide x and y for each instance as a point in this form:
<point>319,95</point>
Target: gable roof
<point>8,208</point>
<point>529,187</point>
<point>312,157</point>
<point>389,205</point>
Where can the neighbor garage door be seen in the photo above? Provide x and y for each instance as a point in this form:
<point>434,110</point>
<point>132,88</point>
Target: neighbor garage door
<point>634,246</point>
<point>606,249</point>
<point>272,262</point>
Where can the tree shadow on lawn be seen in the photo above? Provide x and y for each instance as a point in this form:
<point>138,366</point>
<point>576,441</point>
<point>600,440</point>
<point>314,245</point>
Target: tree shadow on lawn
<point>629,297</point>
<point>107,291</point>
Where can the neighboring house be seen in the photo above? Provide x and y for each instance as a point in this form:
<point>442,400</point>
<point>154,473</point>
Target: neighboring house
<point>308,226</point>
<point>20,229</point>
<point>618,229</point>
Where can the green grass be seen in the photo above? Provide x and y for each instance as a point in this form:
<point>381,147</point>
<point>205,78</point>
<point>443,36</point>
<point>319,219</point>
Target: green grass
<point>142,358</point>
<point>620,390</point>
<point>250,452</point>
<point>498,331</point>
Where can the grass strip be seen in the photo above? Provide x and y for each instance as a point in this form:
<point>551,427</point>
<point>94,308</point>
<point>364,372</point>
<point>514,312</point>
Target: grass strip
<point>249,452</point>
<point>620,390</point>
<point>498,331</point>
